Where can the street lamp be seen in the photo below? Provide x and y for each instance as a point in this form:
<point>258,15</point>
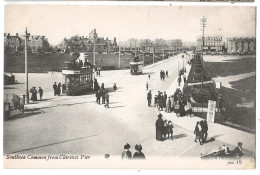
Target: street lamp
<point>27,35</point>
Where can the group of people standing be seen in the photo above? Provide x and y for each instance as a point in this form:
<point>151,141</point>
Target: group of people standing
<point>163,74</point>
<point>201,131</point>
<point>57,89</point>
<point>127,154</point>
<point>101,93</point>
<point>174,103</point>
<point>163,128</point>
<point>34,92</point>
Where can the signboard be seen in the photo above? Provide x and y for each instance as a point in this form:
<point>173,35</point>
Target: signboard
<point>70,72</point>
<point>211,111</point>
<point>218,85</point>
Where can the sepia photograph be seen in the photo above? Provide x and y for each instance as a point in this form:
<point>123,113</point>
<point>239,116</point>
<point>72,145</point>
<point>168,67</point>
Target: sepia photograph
<point>121,86</point>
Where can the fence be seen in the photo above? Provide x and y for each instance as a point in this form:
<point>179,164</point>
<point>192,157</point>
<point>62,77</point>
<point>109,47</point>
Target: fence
<point>13,105</point>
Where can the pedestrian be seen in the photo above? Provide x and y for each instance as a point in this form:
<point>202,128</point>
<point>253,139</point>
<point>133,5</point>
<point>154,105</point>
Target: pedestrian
<point>172,103</point>
<point>204,130</point>
<point>59,89</point>
<point>170,129</point>
<point>107,99</point>
<point>138,154</point>
<point>182,110</point>
<point>126,154</point>
<point>168,105</point>
<point>184,79</point>
<point>163,75</point>
<point>102,86</point>
<point>147,86</point>
<point>98,95</point>
<point>188,107</point>
<point>237,152</point>
<point>99,72</point>
<point>149,76</point>
<point>166,73</point>
<point>159,128</point>
<point>103,95</point>
<point>149,98</point>
<point>164,99</point>
<point>197,132</point>
<point>155,101</point>
<point>55,88</point>
<point>179,80</point>
<point>114,87</point>
<point>161,101</point>
<point>34,94</point>
<point>40,91</point>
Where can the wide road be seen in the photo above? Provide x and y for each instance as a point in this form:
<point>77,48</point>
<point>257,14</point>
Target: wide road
<point>77,125</point>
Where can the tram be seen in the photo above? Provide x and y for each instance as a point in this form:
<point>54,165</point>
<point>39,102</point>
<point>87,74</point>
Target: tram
<point>77,79</point>
<point>136,66</point>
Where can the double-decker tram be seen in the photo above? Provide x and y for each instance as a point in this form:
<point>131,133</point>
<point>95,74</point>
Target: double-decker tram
<point>136,66</point>
<point>77,79</point>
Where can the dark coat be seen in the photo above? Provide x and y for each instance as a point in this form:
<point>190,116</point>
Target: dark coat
<point>159,129</point>
<point>138,155</point>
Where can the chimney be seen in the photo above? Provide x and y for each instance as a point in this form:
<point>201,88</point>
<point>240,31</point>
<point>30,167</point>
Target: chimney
<point>4,34</point>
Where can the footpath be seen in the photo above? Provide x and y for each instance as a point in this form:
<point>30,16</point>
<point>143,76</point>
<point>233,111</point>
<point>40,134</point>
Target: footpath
<point>216,131</point>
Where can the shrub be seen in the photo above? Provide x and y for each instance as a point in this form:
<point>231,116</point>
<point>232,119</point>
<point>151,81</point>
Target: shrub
<point>202,94</point>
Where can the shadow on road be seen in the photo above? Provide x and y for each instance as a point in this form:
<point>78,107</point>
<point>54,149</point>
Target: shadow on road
<point>179,136</point>
<point>116,106</point>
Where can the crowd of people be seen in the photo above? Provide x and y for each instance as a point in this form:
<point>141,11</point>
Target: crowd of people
<point>173,103</point>
<point>127,154</point>
<point>34,92</point>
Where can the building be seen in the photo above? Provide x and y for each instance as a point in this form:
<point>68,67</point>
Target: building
<point>86,43</point>
<point>241,45</point>
<point>15,43</point>
<point>211,44</point>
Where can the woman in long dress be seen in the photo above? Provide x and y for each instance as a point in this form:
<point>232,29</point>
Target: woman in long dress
<point>182,110</point>
<point>159,128</point>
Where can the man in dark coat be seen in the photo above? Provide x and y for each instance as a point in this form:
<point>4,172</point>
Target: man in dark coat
<point>237,152</point>
<point>40,91</point>
<point>149,98</point>
<point>138,154</point>
<point>204,130</point>
<point>55,88</point>
<point>103,95</point>
<point>159,128</point>
<point>98,95</point>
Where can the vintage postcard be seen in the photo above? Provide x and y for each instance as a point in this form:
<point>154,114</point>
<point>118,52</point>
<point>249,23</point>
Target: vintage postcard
<point>137,87</point>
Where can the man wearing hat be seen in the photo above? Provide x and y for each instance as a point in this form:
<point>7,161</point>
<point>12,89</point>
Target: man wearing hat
<point>238,150</point>
<point>159,128</point>
<point>126,154</point>
<point>149,98</point>
<point>138,154</point>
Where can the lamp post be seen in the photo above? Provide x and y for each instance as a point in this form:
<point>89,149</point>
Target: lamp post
<point>27,35</point>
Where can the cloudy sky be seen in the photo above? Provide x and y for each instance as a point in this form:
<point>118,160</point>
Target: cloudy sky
<point>124,22</point>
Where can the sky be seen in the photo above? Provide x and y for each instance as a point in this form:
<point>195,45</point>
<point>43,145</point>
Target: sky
<point>123,22</point>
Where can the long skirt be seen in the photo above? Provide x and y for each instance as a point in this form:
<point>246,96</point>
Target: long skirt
<point>159,136</point>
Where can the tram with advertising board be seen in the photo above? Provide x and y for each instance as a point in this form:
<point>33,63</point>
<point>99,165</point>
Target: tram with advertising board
<point>77,79</point>
<point>136,66</point>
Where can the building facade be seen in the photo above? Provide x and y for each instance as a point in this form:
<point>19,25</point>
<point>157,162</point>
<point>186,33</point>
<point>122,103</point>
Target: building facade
<point>15,43</point>
<point>86,44</point>
<point>211,44</point>
<point>241,45</point>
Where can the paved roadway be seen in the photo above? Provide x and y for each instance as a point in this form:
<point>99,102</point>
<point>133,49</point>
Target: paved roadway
<point>77,125</point>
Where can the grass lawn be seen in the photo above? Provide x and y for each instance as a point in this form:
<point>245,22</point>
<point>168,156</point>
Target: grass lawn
<point>44,62</point>
<point>241,88</point>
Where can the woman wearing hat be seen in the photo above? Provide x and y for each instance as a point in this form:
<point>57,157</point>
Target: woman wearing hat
<point>159,128</point>
<point>138,154</point>
<point>126,154</point>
